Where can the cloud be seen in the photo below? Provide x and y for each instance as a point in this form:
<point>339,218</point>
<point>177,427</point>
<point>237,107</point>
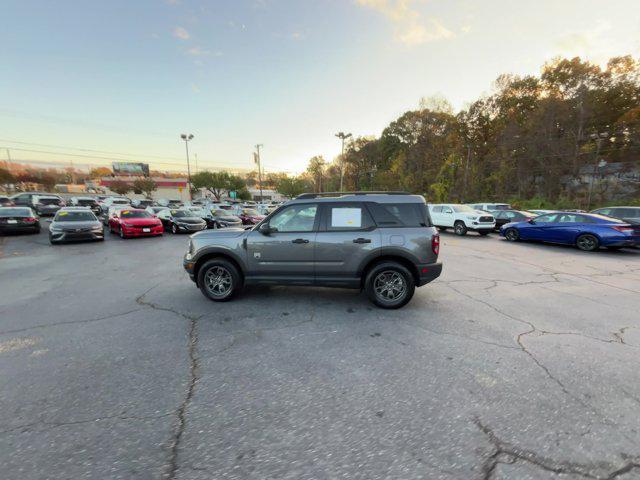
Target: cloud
<point>598,43</point>
<point>181,33</point>
<point>410,27</point>
<point>202,52</point>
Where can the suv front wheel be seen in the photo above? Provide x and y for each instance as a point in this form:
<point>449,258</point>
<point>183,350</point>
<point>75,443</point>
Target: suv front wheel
<point>389,285</point>
<point>219,280</point>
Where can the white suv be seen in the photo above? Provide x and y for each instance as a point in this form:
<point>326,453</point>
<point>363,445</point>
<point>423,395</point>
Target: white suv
<point>490,207</point>
<point>461,218</point>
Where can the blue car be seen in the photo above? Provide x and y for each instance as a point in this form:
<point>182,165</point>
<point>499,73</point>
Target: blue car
<point>587,231</point>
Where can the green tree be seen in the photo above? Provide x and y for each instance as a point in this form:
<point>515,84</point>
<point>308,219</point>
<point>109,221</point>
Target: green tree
<point>146,186</point>
<point>236,184</point>
<point>215,182</point>
<point>120,187</point>
<point>291,186</point>
<point>315,170</point>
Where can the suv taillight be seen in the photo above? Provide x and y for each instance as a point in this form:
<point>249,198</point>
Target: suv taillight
<point>435,244</point>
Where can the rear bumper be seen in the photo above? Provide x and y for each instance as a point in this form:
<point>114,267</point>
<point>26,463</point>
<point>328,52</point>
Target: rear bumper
<point>428,272</point>
<point>13,228</point>
<point>621,241</point>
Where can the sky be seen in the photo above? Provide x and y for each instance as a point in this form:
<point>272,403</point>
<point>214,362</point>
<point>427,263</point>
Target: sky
<point>98,80</point>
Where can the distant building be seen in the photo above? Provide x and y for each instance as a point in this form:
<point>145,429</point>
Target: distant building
<point>170,188</point>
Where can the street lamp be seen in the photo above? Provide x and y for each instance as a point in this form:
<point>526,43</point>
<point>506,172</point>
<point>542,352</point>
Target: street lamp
<point>186,139</point>
<point>342,136</point>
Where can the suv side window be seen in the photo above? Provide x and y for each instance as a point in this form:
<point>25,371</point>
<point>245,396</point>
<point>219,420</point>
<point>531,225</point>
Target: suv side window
<point>399,214</point>
<point>343,217</point>
<point>437,209</point>
<point>296,218</point>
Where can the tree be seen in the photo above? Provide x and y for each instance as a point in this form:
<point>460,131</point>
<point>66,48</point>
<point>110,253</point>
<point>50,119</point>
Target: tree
<point>99,172</point>
<point>120,187</point>
<point>218,182</point>
<point>291,186</point>
<point>316,172</point>
<point>145,185</point>
<point>6,177</point>
<point>243,194</point>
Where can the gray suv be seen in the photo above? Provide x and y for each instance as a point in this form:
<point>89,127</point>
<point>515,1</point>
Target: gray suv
<point>382,242</point>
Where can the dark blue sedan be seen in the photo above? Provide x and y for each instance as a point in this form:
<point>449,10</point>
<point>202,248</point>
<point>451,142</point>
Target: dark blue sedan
<point>586,231</point>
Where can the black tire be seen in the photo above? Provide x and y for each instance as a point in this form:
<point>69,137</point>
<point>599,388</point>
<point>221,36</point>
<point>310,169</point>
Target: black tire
<point>512,235</point>
<point>385,274</point>
<point>223,270</point>
<point>174,228</point>
<point>459,228</point>
<point>587,242</point>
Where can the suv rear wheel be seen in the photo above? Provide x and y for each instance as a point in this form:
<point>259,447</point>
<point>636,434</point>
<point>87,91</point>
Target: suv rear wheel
<point>460,228</point>
<point>389,285</point>
<point>219,280</point>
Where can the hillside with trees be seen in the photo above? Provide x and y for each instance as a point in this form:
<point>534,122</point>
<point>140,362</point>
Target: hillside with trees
<point>545,139</point>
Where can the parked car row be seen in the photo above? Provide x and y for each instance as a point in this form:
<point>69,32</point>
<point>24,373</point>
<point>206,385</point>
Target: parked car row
<point>611,227</point>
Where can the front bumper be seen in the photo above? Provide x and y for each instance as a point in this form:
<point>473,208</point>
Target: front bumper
<point>188,264</point>
<point>481,226</point>
<point>140,231</point>
<point>60,237</point>
<point>191,227</point>
<point>428,272</point>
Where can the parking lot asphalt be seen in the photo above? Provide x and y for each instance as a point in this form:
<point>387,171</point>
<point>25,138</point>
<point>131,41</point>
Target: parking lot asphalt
<point>520,362</point>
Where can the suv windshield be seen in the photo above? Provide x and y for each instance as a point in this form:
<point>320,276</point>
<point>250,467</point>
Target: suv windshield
<point>70,216</point>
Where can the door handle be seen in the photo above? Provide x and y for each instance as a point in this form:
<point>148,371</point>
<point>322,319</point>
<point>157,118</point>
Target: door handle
<point>362,240</point>
<point>300,240</point>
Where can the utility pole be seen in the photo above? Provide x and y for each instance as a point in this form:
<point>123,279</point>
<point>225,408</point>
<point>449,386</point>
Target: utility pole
<point>186,139</point>
<point>342,136</point>
<point>598,137</point>
<point>259,168</point>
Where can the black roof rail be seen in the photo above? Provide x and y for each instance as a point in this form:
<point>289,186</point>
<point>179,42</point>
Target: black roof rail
<point>338,194</point>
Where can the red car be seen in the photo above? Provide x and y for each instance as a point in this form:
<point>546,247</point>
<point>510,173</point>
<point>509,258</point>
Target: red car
<point>250,216</point>
<point>135,223</point>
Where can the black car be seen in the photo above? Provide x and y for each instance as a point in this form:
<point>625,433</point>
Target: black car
<point>47,204</point>
<point>142,204</point>
<point>89,202</point>
<point>507,216</point>
<point>71,224</point>
<point>177,221</point>
<point>18,219</point>
<point>628,214</point>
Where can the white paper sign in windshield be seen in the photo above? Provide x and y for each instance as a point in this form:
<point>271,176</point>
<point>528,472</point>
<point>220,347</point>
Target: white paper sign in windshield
<point>346,217</point>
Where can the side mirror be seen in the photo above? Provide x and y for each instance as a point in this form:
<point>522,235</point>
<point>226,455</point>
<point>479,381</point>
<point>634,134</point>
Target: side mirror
<point>265,229</point>
<point>532,221</point>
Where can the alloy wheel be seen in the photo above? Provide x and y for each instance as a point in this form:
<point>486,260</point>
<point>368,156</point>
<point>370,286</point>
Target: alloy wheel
<point>218,281</point>
<point>389,286</point>
<point>511,235</point>
<point>587,243</point>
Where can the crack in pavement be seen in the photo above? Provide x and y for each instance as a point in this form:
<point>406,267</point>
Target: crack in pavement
<point>70,322</point>
<point>506,453</point>
<point>141,301</point>
<point>520,342</point>
<point>28,426</point>
<point>194,372</point>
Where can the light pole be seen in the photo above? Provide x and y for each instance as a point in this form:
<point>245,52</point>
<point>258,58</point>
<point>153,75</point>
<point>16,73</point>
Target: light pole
<point>186,139</point>
<point>259,168</point>
<point>342,136</point>
<point>598,137</point>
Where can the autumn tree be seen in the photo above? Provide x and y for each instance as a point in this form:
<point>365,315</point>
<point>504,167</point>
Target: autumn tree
<point>146,186</point>
<point>120,187</point>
